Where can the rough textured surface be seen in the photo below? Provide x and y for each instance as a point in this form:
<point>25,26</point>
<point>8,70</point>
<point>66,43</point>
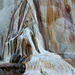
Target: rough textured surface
<point>34,29</point>
<point>56,20</point>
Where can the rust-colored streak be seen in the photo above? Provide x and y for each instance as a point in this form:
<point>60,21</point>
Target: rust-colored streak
<point>38,12</point>
<point>24,47</point>
<point>68,8</point>
<point>42,28</point>
<point>49,13</point>
<point>49,20</point>
<point>51,36</point>
<point>53,43</point>
<point>57,13</point>
<point>39,18</point>
<point>15,44</point>
<point>72,39</point>
<point>21,14</point>
<point>73,1</point>
<point>55,46</point>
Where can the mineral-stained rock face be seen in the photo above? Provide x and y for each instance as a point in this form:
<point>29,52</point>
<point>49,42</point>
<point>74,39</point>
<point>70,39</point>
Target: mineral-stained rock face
<point>52,18</point>
<point>37,28</point>
<point>57,23</point>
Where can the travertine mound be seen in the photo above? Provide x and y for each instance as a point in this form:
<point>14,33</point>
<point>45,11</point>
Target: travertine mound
<point>32,29</point>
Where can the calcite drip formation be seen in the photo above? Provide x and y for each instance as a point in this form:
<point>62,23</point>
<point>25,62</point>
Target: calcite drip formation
<point>38,28</point>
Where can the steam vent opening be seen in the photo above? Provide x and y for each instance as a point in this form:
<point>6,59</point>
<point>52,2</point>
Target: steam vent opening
<point>37,37</point>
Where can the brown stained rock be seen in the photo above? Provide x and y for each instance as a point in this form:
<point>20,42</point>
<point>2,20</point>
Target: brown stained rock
<point>21,14</point>
<point>28,22</point>
<point>10,68</point>
<point>73,1</point>
<point>8,48</point>
<point>15,44</point>
<point>42,28</point>
<point>24,47</point>
<point>26,51</point>
<point>52,32</point>
<point>68,8</point>
<point>53,43</point>
<point>50,13</point>
<point>28,48</point>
